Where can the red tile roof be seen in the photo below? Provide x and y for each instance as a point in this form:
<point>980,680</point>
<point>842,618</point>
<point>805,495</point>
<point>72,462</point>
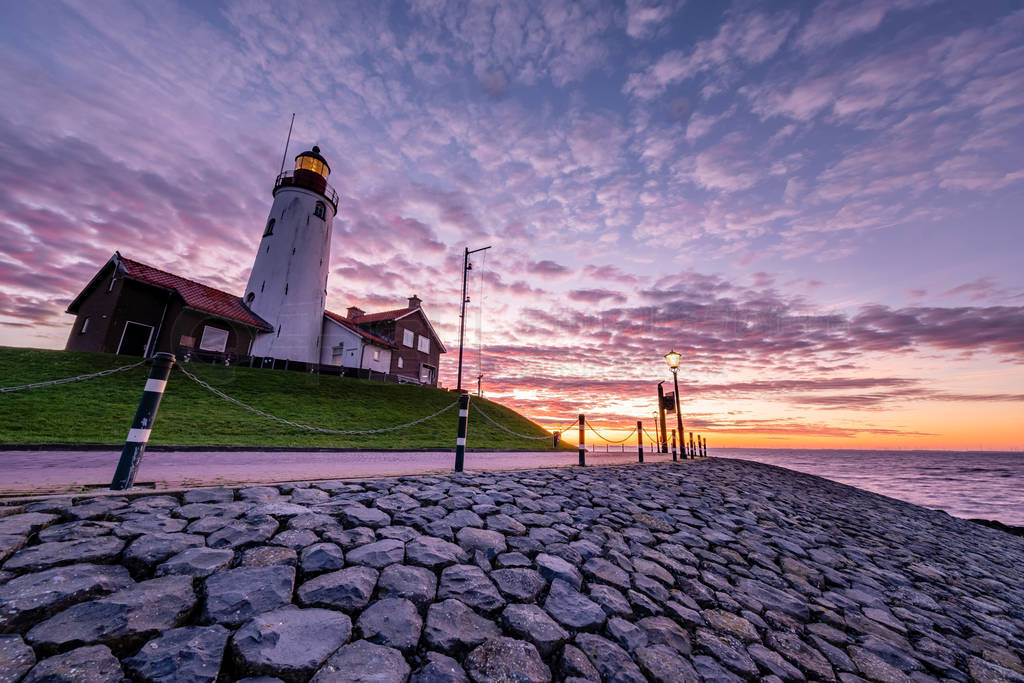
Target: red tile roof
<point>348,324</point>
<point>384,315</point>
<point>198,296</point>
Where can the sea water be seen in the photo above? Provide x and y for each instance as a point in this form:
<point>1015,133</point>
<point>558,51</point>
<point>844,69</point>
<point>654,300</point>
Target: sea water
<point>969,484</point>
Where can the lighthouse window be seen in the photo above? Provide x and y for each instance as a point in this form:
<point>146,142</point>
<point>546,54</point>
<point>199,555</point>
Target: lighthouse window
<point>320,210</point>
<point>270,227</point>
<point>311,164</point>
<point>250,297</point>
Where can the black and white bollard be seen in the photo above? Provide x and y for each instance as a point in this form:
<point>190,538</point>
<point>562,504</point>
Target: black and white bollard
<point>674,444</point>
<point>555,438</point>
<point>639,441</point>
<point>142,425</point>
<point>704,447</point>
<point>582,448</point>
<point>460,441</point>
<point>693,451</point>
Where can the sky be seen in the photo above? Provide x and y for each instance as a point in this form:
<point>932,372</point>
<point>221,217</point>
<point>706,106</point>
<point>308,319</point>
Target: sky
<point>819,204</point>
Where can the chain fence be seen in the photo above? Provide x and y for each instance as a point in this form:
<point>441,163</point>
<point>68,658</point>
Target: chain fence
<point>68,380</point>
<point>606,439</point>
<point>572,425</point>
<point>506,429</point>
<point>310,428</point>
<point>655,438</point>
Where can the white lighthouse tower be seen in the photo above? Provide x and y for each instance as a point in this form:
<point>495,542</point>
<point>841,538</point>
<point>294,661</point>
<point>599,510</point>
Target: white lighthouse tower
<point>288,283</point>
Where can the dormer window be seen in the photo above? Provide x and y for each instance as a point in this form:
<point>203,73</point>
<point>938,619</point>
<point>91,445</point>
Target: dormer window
<point>321,210</point>
<point>270,227</point>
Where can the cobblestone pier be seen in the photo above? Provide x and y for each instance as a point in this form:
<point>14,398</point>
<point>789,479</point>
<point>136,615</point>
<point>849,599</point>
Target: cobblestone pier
<point>717,570</point>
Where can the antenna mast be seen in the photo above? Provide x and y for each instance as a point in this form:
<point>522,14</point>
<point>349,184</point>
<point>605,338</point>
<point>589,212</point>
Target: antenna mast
<point>284,157</point>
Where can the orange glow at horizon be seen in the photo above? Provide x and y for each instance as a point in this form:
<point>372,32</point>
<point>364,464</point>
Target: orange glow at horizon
<point>953,426</point>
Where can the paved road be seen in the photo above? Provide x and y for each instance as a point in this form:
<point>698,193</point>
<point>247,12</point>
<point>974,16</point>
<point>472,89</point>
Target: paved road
<point>37,472</point>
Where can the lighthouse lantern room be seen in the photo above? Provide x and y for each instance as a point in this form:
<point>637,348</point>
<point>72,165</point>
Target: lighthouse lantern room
<point>288,283</point>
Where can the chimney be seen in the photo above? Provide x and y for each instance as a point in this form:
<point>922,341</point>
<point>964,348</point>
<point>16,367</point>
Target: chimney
<point>414,301</point>
<point>354,312</point>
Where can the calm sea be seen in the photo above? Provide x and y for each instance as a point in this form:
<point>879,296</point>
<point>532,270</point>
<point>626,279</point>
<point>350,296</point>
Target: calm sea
<point>986,485</point>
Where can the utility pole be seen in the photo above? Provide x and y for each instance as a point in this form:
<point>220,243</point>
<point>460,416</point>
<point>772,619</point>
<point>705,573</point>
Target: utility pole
<point>466,267</point>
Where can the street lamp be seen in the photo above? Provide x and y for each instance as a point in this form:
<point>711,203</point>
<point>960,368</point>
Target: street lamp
<point>672,358</point>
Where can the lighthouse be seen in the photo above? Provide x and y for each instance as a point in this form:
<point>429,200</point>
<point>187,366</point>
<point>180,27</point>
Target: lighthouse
<point>288,284</point>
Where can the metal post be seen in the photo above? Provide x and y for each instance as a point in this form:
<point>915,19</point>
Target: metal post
<point>462,316</point>
<point>639,441</point>
<point>673,444</point>
<point>661,418</point>
<point>704,446</point>
<point>460,441</point>
<point>582,448</point>
<point>693,451</point>
<point>555,437</point>
<point>142,425</point>
<point>462,324</point>
<point>679,414</point>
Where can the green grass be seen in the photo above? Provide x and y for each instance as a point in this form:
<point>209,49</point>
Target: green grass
<point>100,411</point>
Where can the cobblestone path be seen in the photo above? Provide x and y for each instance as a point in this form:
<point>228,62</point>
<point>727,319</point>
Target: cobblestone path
<point>717,570</point>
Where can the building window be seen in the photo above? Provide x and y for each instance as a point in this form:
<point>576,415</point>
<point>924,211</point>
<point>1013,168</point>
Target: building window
<point>427,374</point>
<point>213,339</point>
<point>320,211</point>
<point>408,338</point>
<point>424,344</point>
<point>376,354</point>
<point>401,363</point>
<point>270,227</point>
<point>85,326</point>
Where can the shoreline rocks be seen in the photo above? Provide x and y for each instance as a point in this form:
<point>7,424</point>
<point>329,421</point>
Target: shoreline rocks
<point>703,570</point>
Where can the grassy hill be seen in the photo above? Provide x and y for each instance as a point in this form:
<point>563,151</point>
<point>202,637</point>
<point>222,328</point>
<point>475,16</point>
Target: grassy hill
<point>100,410</point>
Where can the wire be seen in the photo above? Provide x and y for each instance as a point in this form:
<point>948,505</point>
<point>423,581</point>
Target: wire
<point>480,318</point>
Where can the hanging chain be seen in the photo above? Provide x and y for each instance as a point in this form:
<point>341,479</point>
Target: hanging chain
<point>308,428</point>
<point>68,380</point>
<point>605,438</point>
<point>572,425</point>
<point>506,429</point>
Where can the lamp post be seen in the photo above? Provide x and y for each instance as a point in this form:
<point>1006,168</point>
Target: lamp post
<point>672,358</point>
<point>466,267</point>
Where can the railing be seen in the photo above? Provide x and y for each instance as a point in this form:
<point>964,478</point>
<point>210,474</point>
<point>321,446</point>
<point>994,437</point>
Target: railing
<point>287,179</point>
